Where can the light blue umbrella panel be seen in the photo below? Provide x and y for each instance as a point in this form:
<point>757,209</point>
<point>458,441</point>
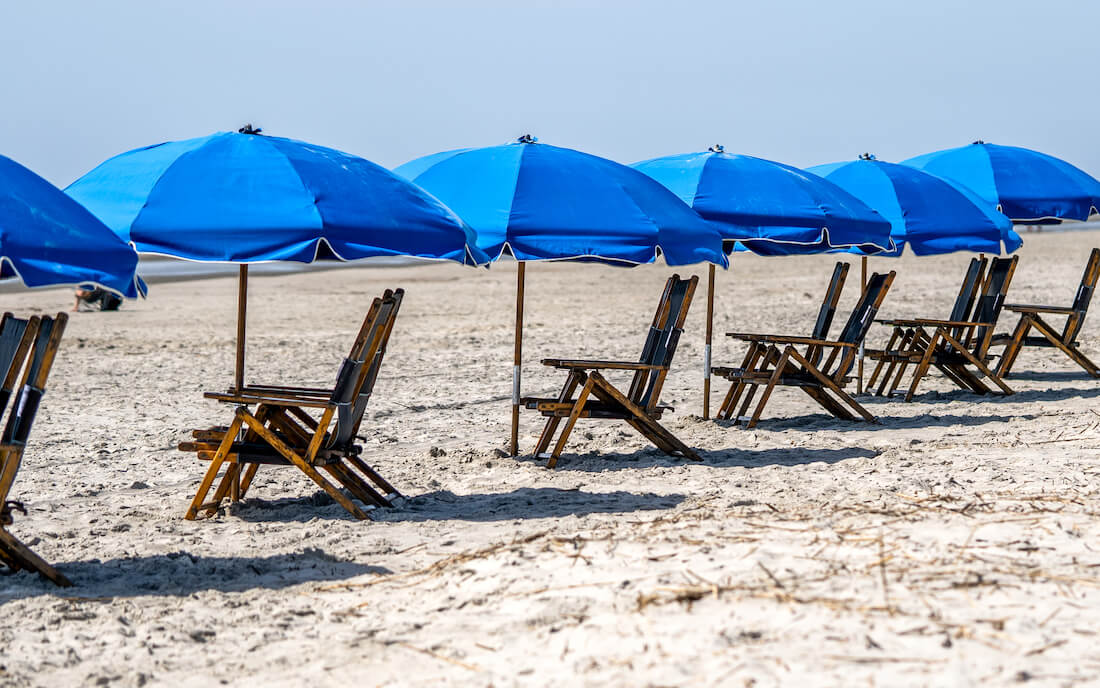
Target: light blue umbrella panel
<point>245,198</point>
<point>928,214</point>
<point>768,208</point>
<point>539,202</point>
<point>47,238</point>
<point>1028,186</point>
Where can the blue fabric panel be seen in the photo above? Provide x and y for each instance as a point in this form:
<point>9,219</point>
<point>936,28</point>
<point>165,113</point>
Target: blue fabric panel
<point>48,238</point>
<point>484,200</point>
<point>1027,185</point>
<point>927,213</point>
<point>245,198</point>
<point>549,203</point>
<point>757,202</point>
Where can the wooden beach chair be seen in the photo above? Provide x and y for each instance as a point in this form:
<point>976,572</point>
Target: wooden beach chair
<point>1032,318</point>
<point>960,348</point>
<point>907,342</point>
<point>821,369</point>
<point>282,431</point>
<point>588,394</point>
<point>27,351</point>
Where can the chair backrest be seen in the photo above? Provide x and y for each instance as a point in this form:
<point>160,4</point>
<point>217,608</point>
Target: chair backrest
<point>992,299</point>
<point>863,315</point>
<point>832,297</point>
<point>859,323</point>
<point>16,336</point>
<point>1083,297</point>
<point>662,339</point>
<point>47,340</point>
<point>968,292</point>
<point>358,372</point>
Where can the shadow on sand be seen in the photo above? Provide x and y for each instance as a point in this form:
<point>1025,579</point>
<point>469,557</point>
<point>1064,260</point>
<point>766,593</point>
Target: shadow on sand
<point>182,573</point>
<point>444,505</point>
<point>600,462</point>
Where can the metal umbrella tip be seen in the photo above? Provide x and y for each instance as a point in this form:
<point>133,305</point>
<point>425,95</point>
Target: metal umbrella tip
<point>717,148</point>
<point>527,138</point>
<point>249,129</point>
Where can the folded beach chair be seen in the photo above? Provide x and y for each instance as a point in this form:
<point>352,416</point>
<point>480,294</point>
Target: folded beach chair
<point>821,369</point>
<point>598,398</point>
<point>960,348</point>
<point>907,343</point>
<point>27,351</point>
<point>282,431</point>
<point>1031,318</point>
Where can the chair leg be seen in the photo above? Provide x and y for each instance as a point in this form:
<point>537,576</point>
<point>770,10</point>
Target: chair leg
<point>24,558</point>
<point>922,367</point>
<point>980,365</point>
<point>737,388</point>
<point>574,414</point>
<point>656,431</point>
<point>882,361</point>
<point>281,447</point>
<point>896,370</point>
<point>212,470</point>
<point>548,430</point>
<point>829,384</point>
<point>355,485</point>
<point>246,479</point>
<point>10,460</point>
<point>1068,349</point>
<point>780,368</point>
<point>389,490</point>
<point>1012,349</point>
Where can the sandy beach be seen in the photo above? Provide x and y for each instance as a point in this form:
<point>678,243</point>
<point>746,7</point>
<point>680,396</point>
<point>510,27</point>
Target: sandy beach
<point>952,544</point>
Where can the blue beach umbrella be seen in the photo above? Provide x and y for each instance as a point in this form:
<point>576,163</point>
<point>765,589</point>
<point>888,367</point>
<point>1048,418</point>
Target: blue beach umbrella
<point>769,208</point>
<point>46,238</point>
<point>540,202</point>
<point>246,198</point>
<point>928,214</point>
<point>1028,186</point>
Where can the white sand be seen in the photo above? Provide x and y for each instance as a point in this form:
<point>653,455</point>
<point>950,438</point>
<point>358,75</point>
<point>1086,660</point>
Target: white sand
<point>954,544</point>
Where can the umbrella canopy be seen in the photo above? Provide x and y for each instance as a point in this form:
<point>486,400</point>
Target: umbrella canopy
<point>244,198</point>
<point>769,207</point>
<point>1028,186</point>
<point>540,202</point>
<point>47,238</point>
<point>926,213</point>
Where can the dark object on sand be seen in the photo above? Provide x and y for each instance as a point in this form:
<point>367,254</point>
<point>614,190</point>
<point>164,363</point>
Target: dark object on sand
<point>639,406</point>
<point>1031,318</point>
<point>281,431</point>
<point>97,297</point>
<point>960,348</point>
<point>822,369</point>
<point>908,339</point>
<point>27,347</point>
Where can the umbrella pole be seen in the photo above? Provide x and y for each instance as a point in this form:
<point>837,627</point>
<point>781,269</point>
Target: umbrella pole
<point>517,359</point>
<point>242,304</point>
<point>862,288</point>
<point>706,348</point>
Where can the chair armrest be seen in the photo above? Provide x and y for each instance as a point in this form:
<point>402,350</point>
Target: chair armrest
<point>1028,308</point>
<point>249,399</point>
<point>781,339</point>
<point>931,322</point>
<point>287,389</point>
<point>750,336</point>
<point>614,365</point>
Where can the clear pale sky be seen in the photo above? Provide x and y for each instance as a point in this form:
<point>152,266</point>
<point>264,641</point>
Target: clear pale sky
<point>799,81</point>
